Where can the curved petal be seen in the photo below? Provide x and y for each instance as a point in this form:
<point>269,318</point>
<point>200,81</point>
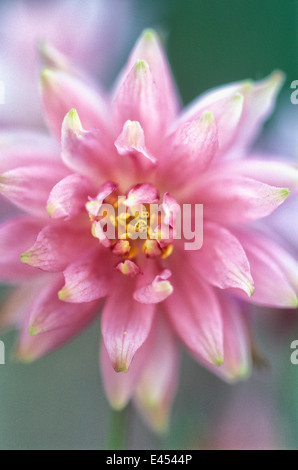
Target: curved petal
<point>68,198</point>
<point>19,149</point>
<point>274,271</point>
<point>230,199</point>
<point>57,246</point>
<point>237,363</point>
<point>29,187</point>
<point>148,48</point>
<point>196,315</point>
<point>138,99</point>
<point>88,152</point>
<point>158,383</point>
<point>62,92</point>
<point>125,325</point>
<point>195,144</point>
<point>86,280</point>
<point>222,260</point>
<point>49,313</point>
<point>15,237</point>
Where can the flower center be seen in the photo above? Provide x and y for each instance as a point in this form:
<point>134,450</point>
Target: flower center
<point>132,224</point>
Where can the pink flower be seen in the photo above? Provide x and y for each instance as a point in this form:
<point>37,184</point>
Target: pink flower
<point>87,34</point>
<point>140,145</point>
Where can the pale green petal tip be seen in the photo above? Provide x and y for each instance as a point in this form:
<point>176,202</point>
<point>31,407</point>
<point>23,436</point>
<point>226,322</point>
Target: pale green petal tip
<point>141,66</point>
<point>294,302</point>
<point>72,121</point>
<point>207,119</point>
<point>218,361</point>
<point>25,257</point>
<point>149,34</point>
<point>46,76</point>
<point>284,193</point>
<point>63,294</point>
<point>33,331</point>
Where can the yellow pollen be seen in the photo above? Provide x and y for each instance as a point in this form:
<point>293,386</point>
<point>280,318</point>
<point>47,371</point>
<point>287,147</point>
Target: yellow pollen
<point>167,251</point>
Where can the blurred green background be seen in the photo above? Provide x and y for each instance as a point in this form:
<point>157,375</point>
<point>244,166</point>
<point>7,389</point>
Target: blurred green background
<point>58,403</point>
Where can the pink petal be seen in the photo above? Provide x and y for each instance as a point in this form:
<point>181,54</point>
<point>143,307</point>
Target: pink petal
<point>128,268</point>
<point>237,363</point>
<point>88,152</point>
<point>94,205</point>
<point>120,386</point>
<point>49,313</point>
<point>148,48</point>
<point>264,169</point>
<point>273,270</point>
<point>227,110</point>
<point>195,143</point>
<point>138,99</point>
<point>159,290</point>
<point>30,348</point>
<point>19,149</point>
<point>68,198</point>
<point>131,142</point>
<point>157,386</point>
<point>125,325</point>
<point>196,315</point>
<point>171,209</point>
<point>222,260</point>
<point>86,280</point>
<point>29,187</point>
<point>15,237</point>
<point>259,104</point>
<point>57,246</point>
<point>230,199</point>
<point>62,92</point>
<point>142,194</point>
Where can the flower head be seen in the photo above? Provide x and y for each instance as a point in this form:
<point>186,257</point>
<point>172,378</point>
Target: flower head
<point>93,232</point>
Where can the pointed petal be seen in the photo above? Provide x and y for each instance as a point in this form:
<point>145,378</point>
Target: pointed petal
<point>171,209</point>
<point>227,110</point>
<point>159,290</point>
<point>62,92</point>
<point>68,198</point>
<point>128,268</point>
<point>157,386</point>
<point>258,107</point>
<point>57,246</point>
<point>273,270</point>
<point>125,325</point>
<point>120,386</point>
<point>148,48</point>
<point>264,169</point>
<point>29,348</point>
<point>196,315</point>
<point>15,237</point>
<point>85,280</point>
<point>237,363</point>
<point>131,142</point>
<point>142,194</point>
<point>222,260</point>
<point>19,149</point>
<point>232,199</point>
<point>88,152</point>
<point>138,99</point>
<point>195,143</point>
<point>49,313</point>
<point>29,187</point>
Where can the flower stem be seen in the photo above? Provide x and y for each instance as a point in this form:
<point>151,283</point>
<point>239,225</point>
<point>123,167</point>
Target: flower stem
<point>117,435</point>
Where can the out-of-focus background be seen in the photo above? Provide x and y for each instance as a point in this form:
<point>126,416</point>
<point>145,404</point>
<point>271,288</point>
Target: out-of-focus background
<point>58,402</point>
